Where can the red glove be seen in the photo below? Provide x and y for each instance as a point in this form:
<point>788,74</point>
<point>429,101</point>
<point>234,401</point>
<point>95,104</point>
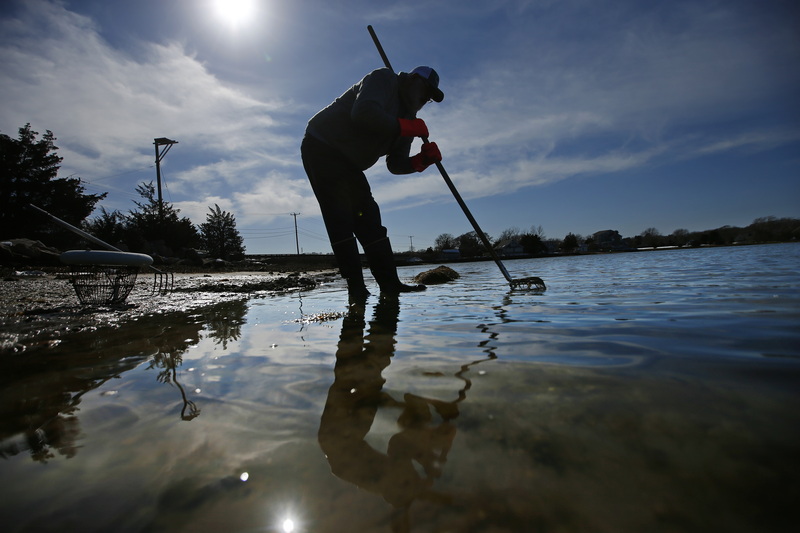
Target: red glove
<point>428,155</point>
<point>414,127</point>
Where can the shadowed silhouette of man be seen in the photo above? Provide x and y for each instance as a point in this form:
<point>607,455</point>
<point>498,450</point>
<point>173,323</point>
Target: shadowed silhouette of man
<point>353,401</point>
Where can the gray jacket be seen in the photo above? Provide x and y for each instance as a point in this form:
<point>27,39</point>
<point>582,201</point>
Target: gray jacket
<point>362,123</point>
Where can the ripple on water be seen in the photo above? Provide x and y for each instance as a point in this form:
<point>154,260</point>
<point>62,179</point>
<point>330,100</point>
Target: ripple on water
<point>650,392</point>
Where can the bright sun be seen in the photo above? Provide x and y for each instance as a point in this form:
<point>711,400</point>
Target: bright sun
<point>235,12</point>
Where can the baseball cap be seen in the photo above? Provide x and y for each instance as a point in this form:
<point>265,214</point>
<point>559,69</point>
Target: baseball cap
<point>432,78</point>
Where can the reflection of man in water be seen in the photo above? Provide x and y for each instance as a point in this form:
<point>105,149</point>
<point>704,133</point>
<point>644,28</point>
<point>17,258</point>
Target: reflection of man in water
<point>353,401</point>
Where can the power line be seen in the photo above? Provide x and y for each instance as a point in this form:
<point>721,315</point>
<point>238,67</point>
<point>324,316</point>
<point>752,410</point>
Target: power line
<point>250,238</point>
<point>312,235</point>
<point>116,175</point>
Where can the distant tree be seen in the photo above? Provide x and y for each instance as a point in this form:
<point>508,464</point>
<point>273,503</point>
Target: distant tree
<point>510,234</point>
<point>763,229</point>
<point>777,229</point>
<point>219,236</point>
<point>764,220</point>
<point>108,226</point>
<point>712,237</point>
<point>538,231</point>
<point>150,232</point>
<point>570,243</point>
<point>605,241</point>
<point>445,241</point>
<point>728,234</point>
<point>470,245</point>
<point>532,244</point>
<point>651,238</point>
<point>679,237</point>
<point>28,170</point>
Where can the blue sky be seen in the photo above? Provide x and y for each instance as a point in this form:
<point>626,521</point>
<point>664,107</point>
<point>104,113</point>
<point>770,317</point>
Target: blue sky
<point>576,116</point>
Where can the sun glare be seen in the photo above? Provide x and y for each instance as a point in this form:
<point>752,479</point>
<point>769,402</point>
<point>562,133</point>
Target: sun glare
<point>235,13</point>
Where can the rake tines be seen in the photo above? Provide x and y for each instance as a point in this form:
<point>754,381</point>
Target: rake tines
<point>532,283</point>
<point>163,282</point>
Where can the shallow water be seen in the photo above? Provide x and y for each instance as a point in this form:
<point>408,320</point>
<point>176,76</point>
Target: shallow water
<point>654,391</point>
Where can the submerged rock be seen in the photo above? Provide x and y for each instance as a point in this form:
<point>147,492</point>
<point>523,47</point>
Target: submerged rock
<point>440,274</point>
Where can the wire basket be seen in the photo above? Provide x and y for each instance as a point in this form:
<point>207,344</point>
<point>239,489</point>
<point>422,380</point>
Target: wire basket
<point>103,277</point>
<point>103,285</point>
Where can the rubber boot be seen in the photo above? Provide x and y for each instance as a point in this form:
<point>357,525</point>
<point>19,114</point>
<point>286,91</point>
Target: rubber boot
<point>381,263</point>
<point>350,268</point>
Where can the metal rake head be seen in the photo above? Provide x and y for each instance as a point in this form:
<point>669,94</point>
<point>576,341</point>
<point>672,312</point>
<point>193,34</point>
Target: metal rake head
<point>532,283</point>
<point>194,412</point>
<point>162,281</point>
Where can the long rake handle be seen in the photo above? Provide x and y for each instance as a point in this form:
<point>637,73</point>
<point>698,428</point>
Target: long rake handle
<point>448,181</point>
<point>88,236</point>
<point>483,237</point>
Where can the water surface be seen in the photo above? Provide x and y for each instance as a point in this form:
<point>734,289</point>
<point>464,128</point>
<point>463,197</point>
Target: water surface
<point>653,391</point>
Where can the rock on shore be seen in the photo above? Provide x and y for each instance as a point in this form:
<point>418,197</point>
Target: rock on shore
<point>16,251</point>
<point>440,274</point>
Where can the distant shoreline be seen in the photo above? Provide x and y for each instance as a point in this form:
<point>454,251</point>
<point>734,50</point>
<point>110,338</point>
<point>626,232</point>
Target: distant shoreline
<point>294,263</point>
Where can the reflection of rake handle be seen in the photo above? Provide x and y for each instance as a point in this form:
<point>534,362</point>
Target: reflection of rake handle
<point>91,238</point>
<point>462,394</point>
<point>194,412</point>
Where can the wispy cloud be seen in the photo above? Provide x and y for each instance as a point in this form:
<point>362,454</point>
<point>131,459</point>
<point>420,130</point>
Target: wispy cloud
<point>106,106</point>
<point>749,142</point>
<point>646,83</point>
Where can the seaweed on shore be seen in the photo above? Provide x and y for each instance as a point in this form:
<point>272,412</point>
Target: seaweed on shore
<point>273,285</point>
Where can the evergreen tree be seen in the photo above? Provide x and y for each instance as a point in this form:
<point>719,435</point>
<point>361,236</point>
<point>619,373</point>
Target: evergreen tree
<point>470,245</point>
<point>109,226</point>
<point>156,227</point>
<point>532,244</point>
<point>28,170</point>
<point>219,236</point>
<point>570,243</point>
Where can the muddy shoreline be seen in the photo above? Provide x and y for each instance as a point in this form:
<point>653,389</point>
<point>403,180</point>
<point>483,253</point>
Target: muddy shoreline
<point>38,306</point>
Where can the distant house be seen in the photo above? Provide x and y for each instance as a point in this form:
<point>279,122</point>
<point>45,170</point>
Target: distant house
<point>509,248</point>
<point>608,240</point>
<point>552,246</point>
<point>451,254</point>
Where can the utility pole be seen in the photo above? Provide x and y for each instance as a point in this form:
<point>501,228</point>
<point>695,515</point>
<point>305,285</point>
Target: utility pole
<point>296,240</point>
<point>167,143</point>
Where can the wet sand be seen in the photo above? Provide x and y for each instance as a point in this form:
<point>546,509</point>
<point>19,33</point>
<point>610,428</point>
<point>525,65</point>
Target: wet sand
<point>37,308</point>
